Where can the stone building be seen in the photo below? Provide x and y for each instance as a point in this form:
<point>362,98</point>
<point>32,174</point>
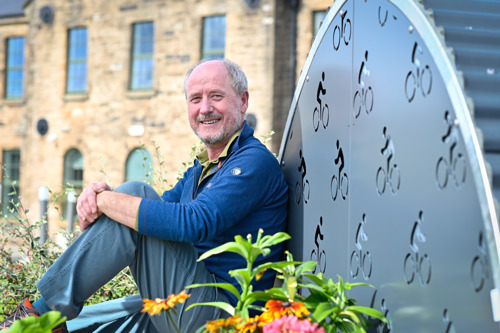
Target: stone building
<point>85,83</point>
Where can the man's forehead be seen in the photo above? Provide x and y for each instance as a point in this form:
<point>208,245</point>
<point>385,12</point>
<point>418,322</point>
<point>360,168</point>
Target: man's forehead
<point>202,78</point>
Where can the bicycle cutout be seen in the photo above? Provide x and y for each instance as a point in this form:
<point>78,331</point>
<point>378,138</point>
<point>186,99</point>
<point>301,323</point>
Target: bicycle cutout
<point>317,254</point>
<point>361,261</point>
<point>479,267</point>
<point>363,98</point>
<point>339,183</point>
<point>455,165</point>
<point>302,188</point>
<point>321,114</point>
<point>342,32</point>
<point>416,264</point>
<point>420,78</point>
<point>390,175</point>
<point>380,326</point>
<point>383,21</point>
<point>450,328</point>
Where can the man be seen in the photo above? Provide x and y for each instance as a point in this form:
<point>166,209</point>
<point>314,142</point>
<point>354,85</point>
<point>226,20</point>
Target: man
<point>234,188</point>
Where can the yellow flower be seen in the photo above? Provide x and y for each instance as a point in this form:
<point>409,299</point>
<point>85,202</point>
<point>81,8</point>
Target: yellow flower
<point>277,309</point>
<point>215,326</point>
<point>260,274</point>
<point>153,307</point>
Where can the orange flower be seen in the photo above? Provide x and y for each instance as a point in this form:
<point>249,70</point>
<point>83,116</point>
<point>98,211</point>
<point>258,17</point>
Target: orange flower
<point>177,299</point>
<point>250,326</point>
<point>277,309</point>
<point>215,326</point>
<point>153,307</point>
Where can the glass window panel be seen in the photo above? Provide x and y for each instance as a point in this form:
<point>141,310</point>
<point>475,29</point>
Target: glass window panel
<point>14,78</point>
<point>73,168</point>
<point>76,81</point>
<point>138,166</point>
<point>318,17</point>
<point>10,180</point>
<point>142,56</point>
<point>214,37</point>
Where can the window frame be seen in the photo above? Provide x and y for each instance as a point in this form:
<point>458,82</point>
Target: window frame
<point>16,68</point>
<point>207,51</point>
<point>137,75</point>
<point>9,184</point>
<point>145,157</point>
<point>73,181</point>
<point>315,24</point>
<point>73,62</point>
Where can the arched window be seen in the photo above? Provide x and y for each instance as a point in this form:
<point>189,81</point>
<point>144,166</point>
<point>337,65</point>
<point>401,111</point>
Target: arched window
<point>73,169</point>
<point>73,176</point>
<point>139,165</point>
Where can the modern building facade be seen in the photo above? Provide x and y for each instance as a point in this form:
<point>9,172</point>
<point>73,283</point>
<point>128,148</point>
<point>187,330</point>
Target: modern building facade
<point>93,90</point>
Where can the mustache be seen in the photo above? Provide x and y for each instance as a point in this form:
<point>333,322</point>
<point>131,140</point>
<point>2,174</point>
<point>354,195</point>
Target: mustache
<point>209,116</point>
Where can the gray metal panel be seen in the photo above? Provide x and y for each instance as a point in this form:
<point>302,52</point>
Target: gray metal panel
<point>472,29</point>
<point>387,180</point>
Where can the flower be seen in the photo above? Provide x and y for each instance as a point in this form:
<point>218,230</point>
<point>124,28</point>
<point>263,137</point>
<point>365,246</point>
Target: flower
<point>250,326</point>
<point>223,325</point>
<point>153,307</point>
<point>292,324</point>
<point>278,309</point>
<point>177,299</point>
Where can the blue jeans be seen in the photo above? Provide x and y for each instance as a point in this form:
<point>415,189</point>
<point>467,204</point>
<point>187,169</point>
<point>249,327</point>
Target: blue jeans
<point>159,268</point>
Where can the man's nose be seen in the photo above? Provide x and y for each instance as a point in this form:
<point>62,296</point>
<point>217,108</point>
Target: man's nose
<point>206,105</point>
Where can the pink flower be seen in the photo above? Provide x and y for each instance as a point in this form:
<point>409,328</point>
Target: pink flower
<point>292,324</point>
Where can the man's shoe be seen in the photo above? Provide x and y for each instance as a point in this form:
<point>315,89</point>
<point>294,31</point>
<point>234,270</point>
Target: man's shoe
<point>60,329</point>
<point>24,310</point>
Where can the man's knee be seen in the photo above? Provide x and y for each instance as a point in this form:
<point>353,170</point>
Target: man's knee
<point>139,189</point>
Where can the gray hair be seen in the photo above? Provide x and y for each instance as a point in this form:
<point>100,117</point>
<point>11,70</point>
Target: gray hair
<point>236,75</point>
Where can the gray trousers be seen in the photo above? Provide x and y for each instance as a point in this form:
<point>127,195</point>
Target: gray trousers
<point>159,268</point>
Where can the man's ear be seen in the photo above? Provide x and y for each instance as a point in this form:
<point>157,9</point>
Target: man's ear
<point>244,102</point>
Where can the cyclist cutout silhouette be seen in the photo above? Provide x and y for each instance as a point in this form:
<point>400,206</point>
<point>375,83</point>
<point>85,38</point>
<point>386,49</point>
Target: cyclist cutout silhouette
<point>321,114</point>
<point>363,98</point>
<point>339,181</point>
<point>302,188</point>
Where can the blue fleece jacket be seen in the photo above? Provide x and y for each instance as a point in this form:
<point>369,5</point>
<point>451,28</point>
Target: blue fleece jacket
<point>247,192</point>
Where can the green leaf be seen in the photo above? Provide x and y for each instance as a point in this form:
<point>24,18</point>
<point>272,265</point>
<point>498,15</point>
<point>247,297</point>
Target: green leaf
<point>368,311</point>
<point>222,305</point>
<point>243,276</point>
<point>227,286</point>
<point>322,311</point>
<point>270,240</point>
<point>227,247</point>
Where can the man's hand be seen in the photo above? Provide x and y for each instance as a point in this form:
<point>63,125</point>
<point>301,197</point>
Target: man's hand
<point>86,206</point>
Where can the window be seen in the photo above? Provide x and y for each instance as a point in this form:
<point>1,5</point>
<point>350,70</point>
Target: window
<point>318,17</point>
<point>214,37</point>
<point>142,56</point>
<point>73,176</point>
<point>10,179</point>
<point>73,169</point>
<point>139,165</point>
<point>14,78</point>
<point>76,78</point>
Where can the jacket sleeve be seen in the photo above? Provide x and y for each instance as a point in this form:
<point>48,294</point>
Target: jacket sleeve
<point>248,180</point>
